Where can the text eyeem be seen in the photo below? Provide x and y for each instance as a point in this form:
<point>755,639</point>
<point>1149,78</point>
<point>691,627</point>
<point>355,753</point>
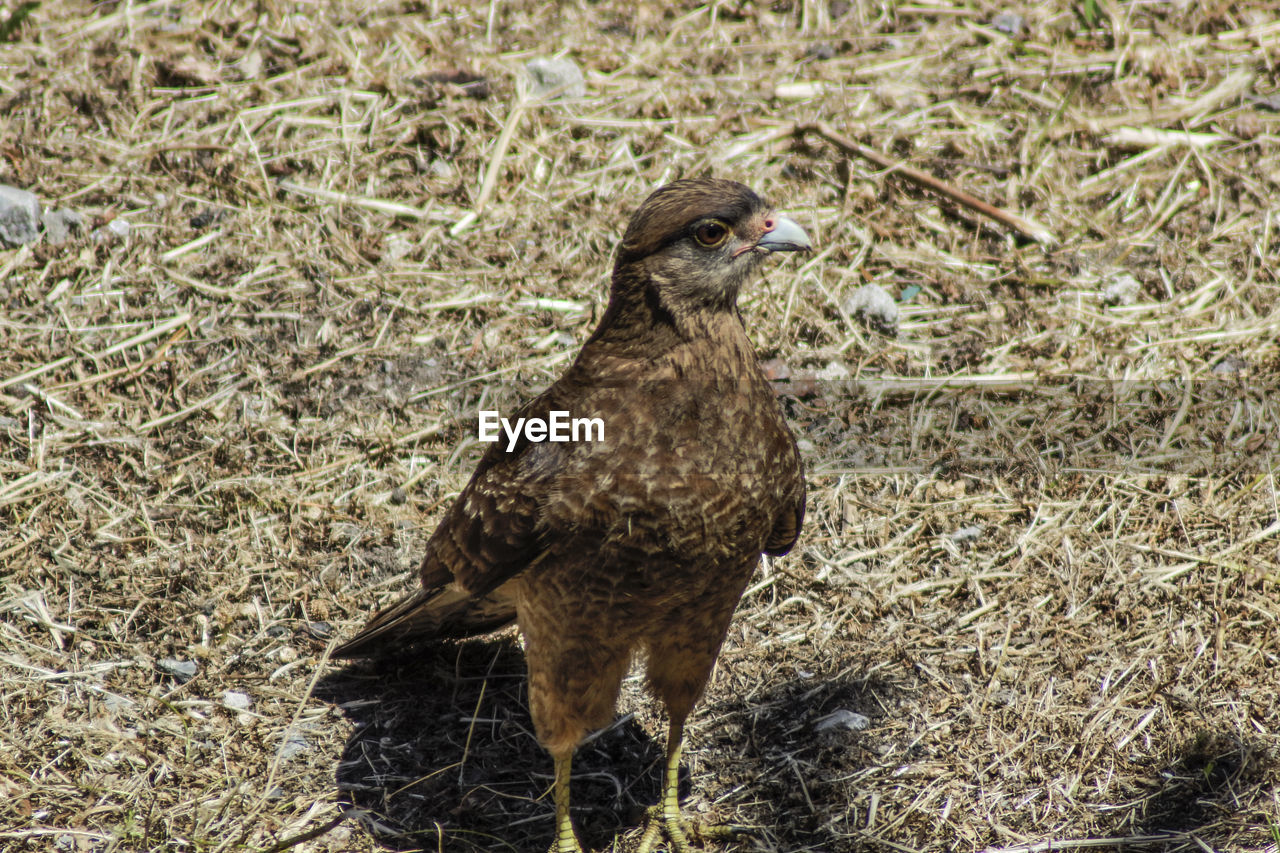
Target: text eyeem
<point>558,426</point>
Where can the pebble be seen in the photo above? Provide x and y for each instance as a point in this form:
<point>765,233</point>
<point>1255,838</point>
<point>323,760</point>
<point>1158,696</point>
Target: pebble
<point>59,223</point>
<point>556,77</point>
<point>1230,366</point>
<point>965,535</point>
<point>799,91</point>
<point>237,701</point>
<point>875,306</point>
<point>183,670</point>
<point>398,246</point>
<point>1120,289</point>
<point>833,372</point>
<point>1008,23</point>
<point>19,216</point>
<point>116,229</point>
<point>843,719</point>
<point>294,744</point>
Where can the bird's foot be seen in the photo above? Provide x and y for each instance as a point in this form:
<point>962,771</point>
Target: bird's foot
<point>678,831</point>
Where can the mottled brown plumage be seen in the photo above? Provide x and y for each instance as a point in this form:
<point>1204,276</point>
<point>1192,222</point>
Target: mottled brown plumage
<point>641,543</point>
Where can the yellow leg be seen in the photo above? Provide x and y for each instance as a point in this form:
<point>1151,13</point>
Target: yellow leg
<point>665,818</point>
<point>566,840</point>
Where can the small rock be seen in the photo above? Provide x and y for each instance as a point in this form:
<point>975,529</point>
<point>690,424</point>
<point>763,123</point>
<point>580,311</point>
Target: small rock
<point>294,744</point>
<point>965,535</point>
<point>1230,366</point>
<point>1008,23</point>
<point>183,670</point>
<point>19,216</point>
<point>237,701</point>
<point>398,246</point>
<point>344,533</point>
<point>833,372</point>
<point>843,719</point>
<point>117,704</point>
<point>320,630</point>
<point>556,77</point>
<point>799,91</point>
<point>1120,289</point>
<point>116,229</point>
<point>1267,102</point>
<point>822,50</point>
<point>207,217</point>
<point>58,225</point>
<point>873,304</point>
<point>398,496</point>
<point>775,369</point>
<point>249,66</point>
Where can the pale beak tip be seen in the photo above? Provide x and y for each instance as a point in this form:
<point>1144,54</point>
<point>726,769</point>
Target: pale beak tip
<point>784,236</point>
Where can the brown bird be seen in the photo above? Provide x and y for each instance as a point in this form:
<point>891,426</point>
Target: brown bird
<point>641,541</point>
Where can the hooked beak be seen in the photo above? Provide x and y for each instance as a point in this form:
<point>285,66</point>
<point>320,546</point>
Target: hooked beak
<point>783,236</point>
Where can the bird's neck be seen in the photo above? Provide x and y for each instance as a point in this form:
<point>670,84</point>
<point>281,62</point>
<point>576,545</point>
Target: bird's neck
<point>644,342</point>
<point>641,321</point>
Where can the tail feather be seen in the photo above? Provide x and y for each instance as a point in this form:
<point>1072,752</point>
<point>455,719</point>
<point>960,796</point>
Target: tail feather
<point>446,613</point>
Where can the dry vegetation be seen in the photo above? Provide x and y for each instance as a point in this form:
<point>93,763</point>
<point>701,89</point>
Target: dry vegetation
<point>1042,556</point>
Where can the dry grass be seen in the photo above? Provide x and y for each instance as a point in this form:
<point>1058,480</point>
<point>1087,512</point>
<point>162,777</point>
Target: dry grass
<point>1043,555</point>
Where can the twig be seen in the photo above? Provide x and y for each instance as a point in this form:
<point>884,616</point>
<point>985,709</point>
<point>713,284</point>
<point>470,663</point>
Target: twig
<point>142,337</point>
<point>391,208</point>
<point>1025,227</point>
<point>1082,843</point>
<point>36,371</point>
<point>314,832</point>
<point>1229,87</point>
<point>495,165</point>
<point>216,397</point>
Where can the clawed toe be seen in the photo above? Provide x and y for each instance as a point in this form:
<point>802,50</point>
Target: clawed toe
<point>683,835</point>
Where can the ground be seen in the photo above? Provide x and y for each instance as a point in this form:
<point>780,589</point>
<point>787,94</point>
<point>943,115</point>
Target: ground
<point>1036,604</point>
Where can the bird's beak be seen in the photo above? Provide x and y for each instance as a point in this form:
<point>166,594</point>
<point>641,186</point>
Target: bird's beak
<point>784,236</point>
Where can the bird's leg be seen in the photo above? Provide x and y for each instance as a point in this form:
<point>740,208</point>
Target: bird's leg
<point>566,840</point>
<point>664,818</point>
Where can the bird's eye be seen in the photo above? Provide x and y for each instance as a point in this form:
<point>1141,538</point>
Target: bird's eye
<point>710,234</point>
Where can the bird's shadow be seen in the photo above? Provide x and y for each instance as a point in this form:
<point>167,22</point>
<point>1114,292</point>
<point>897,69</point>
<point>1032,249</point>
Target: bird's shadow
<point>444,755</point>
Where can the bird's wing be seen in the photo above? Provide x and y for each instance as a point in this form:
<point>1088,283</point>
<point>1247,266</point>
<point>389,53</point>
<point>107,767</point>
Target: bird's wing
<point>787,523</point>
<point>494,530</point>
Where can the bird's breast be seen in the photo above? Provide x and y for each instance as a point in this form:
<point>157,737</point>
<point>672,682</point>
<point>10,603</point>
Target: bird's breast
<point>686,470</point>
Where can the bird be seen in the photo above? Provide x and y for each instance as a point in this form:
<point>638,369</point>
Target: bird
<point>638,543</point>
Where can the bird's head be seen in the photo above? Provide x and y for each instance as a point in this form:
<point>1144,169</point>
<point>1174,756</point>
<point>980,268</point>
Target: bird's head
<point>693,243</point>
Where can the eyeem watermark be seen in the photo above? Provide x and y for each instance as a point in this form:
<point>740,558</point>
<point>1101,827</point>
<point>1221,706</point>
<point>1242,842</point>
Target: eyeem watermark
<point>558,427</point>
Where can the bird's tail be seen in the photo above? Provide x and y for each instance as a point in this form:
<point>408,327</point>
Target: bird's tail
<point>446,613</point>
